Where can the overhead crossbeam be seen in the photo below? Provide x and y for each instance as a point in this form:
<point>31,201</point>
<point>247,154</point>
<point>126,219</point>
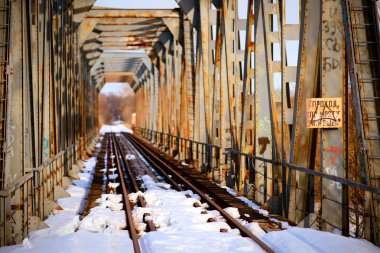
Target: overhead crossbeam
<point>132,13</point>
<point>125,29</point>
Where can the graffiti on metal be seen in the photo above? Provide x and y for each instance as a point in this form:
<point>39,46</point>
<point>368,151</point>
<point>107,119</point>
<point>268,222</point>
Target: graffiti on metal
<point>324,112</point>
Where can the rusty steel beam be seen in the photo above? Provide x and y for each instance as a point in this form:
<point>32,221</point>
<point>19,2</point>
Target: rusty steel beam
<point>333,82</point>
<point>118,76</point>
<point>122,44</point>
<point>132,28</point>
<point>127,39</point>
<point>306,87</point>
<point>130,21</point>
<point>127,35</point>
<point>132,13</point>
<point>206,83</point>
<point>85,29</point>
<point>191,9</point>
<point>126,48</point>
<point>200,78</point>
<point>45,115</point>
<point>80,9</point>
<point>142,34</point>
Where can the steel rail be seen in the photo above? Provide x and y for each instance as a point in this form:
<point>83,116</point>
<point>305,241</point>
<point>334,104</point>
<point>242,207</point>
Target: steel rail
<point>126,191</point>
<point>150,155</point>
<point>128,169</point>
<point>168,177</point>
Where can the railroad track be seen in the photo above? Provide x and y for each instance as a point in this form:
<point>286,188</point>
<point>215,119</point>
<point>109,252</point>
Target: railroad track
<point>111,161</point>
<point>110,156</point>
<point>123,150</point>
<point>181,182</point>
<point>99,185</point>
<point>126,183</point>
<point>218,194</point>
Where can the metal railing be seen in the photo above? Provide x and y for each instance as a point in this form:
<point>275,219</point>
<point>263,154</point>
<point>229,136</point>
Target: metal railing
<point>274,183</point>
<point>17,207</point>
<point>49,175</point>
<point>204,157</point>
<point>283,186</point>
<point>32,198</point>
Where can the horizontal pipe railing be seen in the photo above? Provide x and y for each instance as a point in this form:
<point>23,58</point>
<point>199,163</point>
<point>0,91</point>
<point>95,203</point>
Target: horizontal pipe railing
<point>322,175</point>
<point>354,206</point>
<point>21,181</point>
<point>265,175</point>
<point>204,156</point>
<point>230,152</point>
<point>31,194</point>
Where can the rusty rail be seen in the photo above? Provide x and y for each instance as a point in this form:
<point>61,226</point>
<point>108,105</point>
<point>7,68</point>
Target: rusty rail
<point>128,170</point>
<point>125,191</point>
<point>160,164</point>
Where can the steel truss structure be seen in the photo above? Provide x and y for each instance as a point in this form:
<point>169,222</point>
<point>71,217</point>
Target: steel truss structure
<point>221,84</point>
<point>48,109</point>
<point>248,95</point>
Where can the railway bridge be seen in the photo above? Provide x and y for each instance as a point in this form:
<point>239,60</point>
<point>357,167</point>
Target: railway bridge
<point>278,100</point>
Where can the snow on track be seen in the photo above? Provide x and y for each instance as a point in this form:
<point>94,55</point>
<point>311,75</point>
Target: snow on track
<point>182,227</point>
<point>114,129</point>
<point>67,234</point>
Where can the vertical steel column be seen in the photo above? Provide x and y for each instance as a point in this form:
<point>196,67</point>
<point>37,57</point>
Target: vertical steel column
<point>247,126</point>
<point>264,138</point>
<point>301,149</point>
<point>332,82</point>
<point>188,70</point>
